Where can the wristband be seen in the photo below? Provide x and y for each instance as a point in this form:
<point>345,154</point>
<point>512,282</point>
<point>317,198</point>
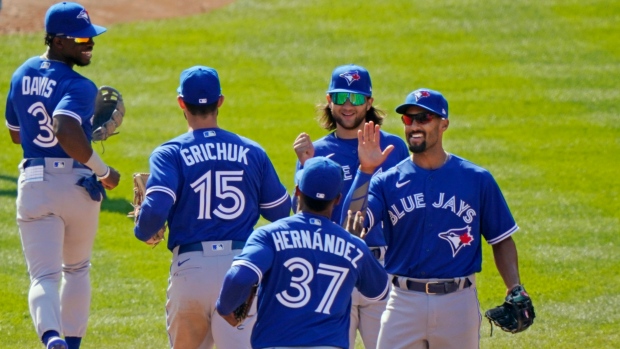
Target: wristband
<point>106,175</point>
<point>97,165</point>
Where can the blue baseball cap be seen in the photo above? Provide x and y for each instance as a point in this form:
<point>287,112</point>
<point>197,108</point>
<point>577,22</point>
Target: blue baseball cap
<point>70,19</point>
<point>351,78</point>
<point>430,100</point>
<point>199,85</point>
<point>320,179</point>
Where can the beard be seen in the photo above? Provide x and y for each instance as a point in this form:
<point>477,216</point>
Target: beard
<point>417,148</point>
<point>356,122</point>
<point>80,63</point>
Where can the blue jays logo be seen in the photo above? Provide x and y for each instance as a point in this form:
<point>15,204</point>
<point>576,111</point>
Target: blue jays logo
<point>84,16</point>
<point>351,76</point>
<point>458,238</point>
<point>421,94</point>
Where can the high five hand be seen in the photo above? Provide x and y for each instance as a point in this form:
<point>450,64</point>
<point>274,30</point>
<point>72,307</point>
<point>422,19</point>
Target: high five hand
<point>369,148</point>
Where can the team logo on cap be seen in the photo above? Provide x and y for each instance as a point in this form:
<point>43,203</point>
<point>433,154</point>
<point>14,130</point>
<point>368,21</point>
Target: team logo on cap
<point>458,238</point>
<point>421,94</point>
<point>84,15</point>
<point>351,76</point>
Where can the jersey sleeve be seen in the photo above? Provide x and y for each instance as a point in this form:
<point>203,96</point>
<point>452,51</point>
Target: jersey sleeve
<point>497,222</point>
<point>164,172</point>
<point>375,210</point>
<point>257,255</point>
<point>373,281</point>
<point>275,203</point>
<point>12,121</point>
<point>78,102</point>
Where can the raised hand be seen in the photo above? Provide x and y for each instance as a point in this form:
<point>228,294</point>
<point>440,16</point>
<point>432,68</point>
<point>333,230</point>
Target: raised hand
<point>369,148</point>
<point>303,147</point>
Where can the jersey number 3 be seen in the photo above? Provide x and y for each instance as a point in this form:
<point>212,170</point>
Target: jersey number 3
<point>224,189</point>
<point>301,284</point>
<point>45,138</point>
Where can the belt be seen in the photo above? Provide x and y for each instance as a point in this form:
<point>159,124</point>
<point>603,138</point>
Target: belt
<point>432,287</point>
<point>41,162</point>
<point>197,246</point>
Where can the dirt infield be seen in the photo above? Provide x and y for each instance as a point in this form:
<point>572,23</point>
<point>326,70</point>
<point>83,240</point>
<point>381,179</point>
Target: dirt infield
<point>27,16</point>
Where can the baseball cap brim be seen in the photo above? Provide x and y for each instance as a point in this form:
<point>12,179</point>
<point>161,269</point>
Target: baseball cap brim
<point>88,32</point>
<point>349,91</point>
<point>402,109</point>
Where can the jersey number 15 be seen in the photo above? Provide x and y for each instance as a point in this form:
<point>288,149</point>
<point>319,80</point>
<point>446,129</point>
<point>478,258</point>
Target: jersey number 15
<point>224,189</point>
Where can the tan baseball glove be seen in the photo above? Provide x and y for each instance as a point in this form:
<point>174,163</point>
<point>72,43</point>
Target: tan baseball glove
<point>237,317</point>
<point>109,113</point>
<point>139,193</point>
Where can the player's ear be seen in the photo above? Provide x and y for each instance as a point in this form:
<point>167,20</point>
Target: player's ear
<point>220,101</point>
<point>369,103</point>
<point>181,102</point>
<point>444,124</point>
<point>337,199</point>
<point>329,98</point>
<point>297,191</point>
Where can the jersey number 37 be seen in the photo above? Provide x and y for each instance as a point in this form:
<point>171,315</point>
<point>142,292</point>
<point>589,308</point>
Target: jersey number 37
<point>302,284</point>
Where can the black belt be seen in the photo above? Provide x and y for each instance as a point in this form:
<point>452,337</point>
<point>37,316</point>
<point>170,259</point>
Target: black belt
<point>432,287</point>
<point>41,162</point>
<point>197,246</point>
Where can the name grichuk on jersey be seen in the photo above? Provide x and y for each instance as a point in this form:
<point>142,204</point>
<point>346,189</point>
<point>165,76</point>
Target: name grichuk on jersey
<point>225,181</point>
<point>41,89</point>
<point>433,220</point>
<point>344,152</point>
<point>307,267</point>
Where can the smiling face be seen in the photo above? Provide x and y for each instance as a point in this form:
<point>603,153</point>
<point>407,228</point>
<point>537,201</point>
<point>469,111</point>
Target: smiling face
<point>348,116</point>
<point>423,137</point>
<point>71,52</point>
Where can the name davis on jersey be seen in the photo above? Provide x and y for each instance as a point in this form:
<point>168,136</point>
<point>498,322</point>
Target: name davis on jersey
<point>38,85</point>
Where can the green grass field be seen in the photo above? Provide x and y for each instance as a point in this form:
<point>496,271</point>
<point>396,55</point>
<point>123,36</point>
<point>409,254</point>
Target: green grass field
<point>534,97</point>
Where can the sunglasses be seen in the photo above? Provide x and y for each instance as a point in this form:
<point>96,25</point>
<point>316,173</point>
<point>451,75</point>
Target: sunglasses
<point>421,118</point>
<point>340,98</point>
<point>77,40</point>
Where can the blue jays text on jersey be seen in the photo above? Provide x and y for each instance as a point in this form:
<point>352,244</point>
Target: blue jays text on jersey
<point>41,89</point>
<point>436,218</point>
<point>307,267</point>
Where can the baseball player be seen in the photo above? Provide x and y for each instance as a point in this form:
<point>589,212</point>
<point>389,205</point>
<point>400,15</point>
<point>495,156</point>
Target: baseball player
<point>435,208</point>
<point>349,105</point>
<point>307,267</point>
<point>211,186</point>
<point>48,111</point>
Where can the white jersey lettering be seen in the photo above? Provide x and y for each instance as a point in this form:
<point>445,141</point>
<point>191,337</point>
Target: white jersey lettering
<point>285,240</point>
<point>196,154</point>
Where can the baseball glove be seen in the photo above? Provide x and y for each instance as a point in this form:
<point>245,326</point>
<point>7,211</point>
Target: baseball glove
<point>516,314</point>
<point>139,193</point>
<point>109,113</point>
<point>238,315</point>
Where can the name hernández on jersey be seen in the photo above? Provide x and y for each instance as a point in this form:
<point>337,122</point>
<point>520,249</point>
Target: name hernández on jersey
<point>288,239</point>
<point>214,151</point>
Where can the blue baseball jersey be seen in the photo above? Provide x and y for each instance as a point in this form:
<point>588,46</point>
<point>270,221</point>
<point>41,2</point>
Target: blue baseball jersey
<point>344,152</point>
<point>433,220</point>
<point>219,183</point>
<point>307,267</point>
<point>41,89</point>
